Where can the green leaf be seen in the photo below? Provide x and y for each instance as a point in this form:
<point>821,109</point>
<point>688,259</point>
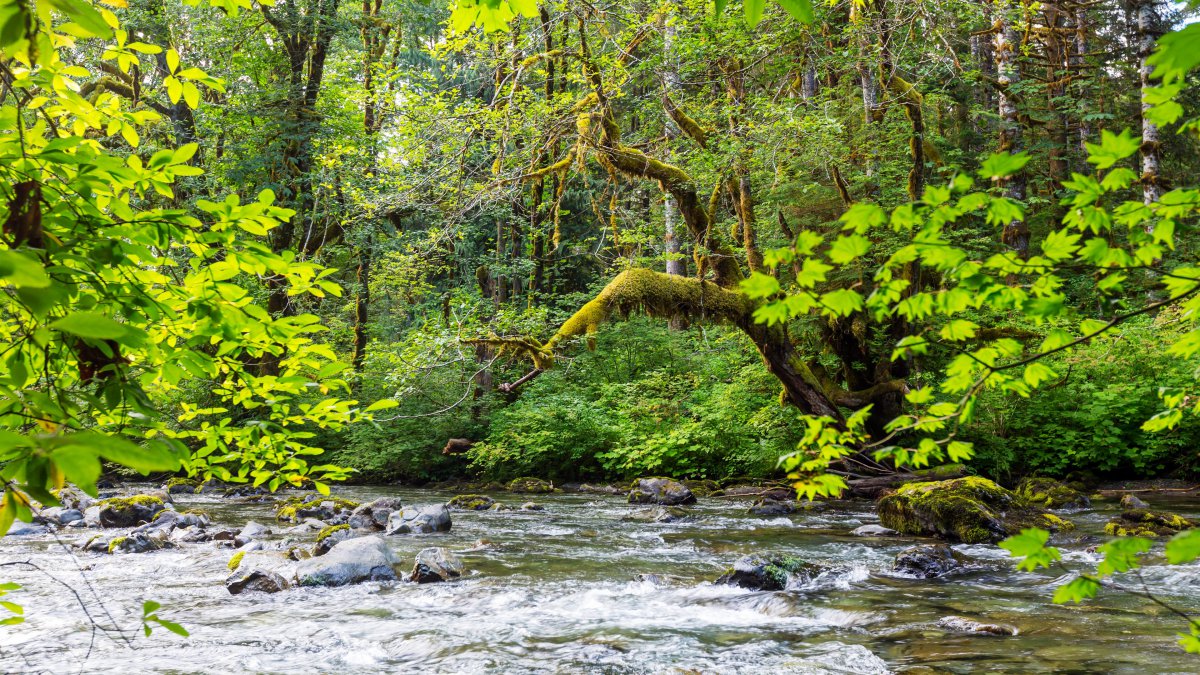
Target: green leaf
<point>759,286</point>
<point>848,247</point>
<point>149,607</point>
<point>959,329</point>
<point>526,8</point>
<point>1003,164</point>
<point>83,14</point>
<point>78,463</point>
<point>20,271</point>
<point>1077,590</point>
<point>754,11</point>
<point>173,627</point>
<point>143,459</point>
<point>1183,547</point>
<point>1112,148</point>
<point>91,325</point>
<point>842,302</point>
<point>382,404</point>
<point>801,10</point>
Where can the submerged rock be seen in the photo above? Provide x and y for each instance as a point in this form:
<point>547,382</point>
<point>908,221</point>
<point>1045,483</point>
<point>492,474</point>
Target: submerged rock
<point>471,502</point>
<point>1131,501</point>
<point>374,515</point>
<point>663,491</point>
<point>128,511</point>
<point>434,565</point>
<point>972,510</point>
<point>873,530</point>
<point>1146,523</point>
<point>657,514</point>
<point>773,507</point>
<point>1048,493</point>
<point>600,489</point>
<point>424,520</point>
<point>530,506</point>
<point>530,485</point>
<point>350,562</point>
<point>961,624</point>
<point>928,561</point>
<point>766,573</point>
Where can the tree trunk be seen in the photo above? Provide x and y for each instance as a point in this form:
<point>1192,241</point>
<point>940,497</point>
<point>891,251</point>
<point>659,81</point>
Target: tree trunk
<point>1149,30</point>
<point>1008,74</point>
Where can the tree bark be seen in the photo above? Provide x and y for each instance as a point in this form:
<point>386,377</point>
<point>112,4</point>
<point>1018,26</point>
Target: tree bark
<point>1008,74</point>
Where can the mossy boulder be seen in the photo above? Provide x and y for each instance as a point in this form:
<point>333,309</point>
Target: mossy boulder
<point>129,511</point>
<point>703,487</point>
<point>181,486</point>
<point>471,503</point>
<point>1146,523</point>
<point>1048,493</point>
<point>970,509</point>
<point>330,536</point>
<point>767,572</point>
<point>328,509</point>
<point>661,491</point>
<point>528,485</point>
<point>139,542</point>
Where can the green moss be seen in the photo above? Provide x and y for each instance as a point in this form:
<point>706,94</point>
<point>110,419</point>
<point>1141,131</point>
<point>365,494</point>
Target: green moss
<point>1146,523</point>
<point>780,570</point>
<point>121,503</point>
<point>970,509</point>
<point>1057,524</point>
<point>236,560</point>
<point>286,509</point>
<point>116,543</point>
<point>471,502</point>
<point>530,485</point>
<point>173,482</point>
<point>1049,494</point>
<point>326,532</point>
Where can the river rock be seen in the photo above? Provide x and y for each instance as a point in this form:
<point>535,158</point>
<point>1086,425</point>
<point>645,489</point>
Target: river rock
<point>128,511</point>
<point>423,520</point>
<point>265,572</point>
<point>141,542</point>
<point>529,485</point>
<point>20,529</point>
<point>330,537</point>
<point>350,562</point>
<point>1130,502</point>
<point>374,515</point>
<point>766,573</point>
<point>181,486</point>
<point>530,506</point>
<point>657,514</point>
<point>1146,523</point>
<point>329,510</point>
<point>74,498</point>
<point>662,491</point>
<point>1048,493</point>
<point>600,489</point>
<point>960,624</point>
<point>703,487</point>
<point>872,530</point>
<point>251,532</point>
<point>928,561</point>
<point>772,507</point>
<point>471,503</point>
<point>436,564</point>
<point>971,509</point>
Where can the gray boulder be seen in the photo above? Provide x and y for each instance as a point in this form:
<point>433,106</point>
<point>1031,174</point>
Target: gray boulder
<point>767,573</point>
<point>928,561</point>
<point>663,491</point>
<point>129,511</point>
<point>423,520</point>
<point>141,542</point>
<point>262,571</point>
<point>374,515</point>
<point>436,564</point>
<point>252,531</point>
<point>1130,502</point>
<point>19,529</point>
<point>350,562</point>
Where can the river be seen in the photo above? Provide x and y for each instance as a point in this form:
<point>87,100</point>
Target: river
<point>557,592</point>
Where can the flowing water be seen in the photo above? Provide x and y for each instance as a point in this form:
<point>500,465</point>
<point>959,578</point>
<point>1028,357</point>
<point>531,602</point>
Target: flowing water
<point>557,592</point>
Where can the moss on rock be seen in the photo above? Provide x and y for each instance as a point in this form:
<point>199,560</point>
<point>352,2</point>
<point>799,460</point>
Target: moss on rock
<point>530,485</point>
<point>1146,523</point>
<point>970,509</point>
<point>236,560</point>
<point>325,533</point>
<point>1048,493</point>
<point>115,544</point>
<point>295,509</point>
<point>471,502</point>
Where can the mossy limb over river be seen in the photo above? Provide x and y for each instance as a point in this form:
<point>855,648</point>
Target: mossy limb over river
<point>575,589</point>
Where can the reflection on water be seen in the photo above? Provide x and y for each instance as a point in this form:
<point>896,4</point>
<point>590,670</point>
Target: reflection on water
<point>558,592</point>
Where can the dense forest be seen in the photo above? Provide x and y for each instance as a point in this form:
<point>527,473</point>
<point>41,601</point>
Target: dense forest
<point>840,247</point>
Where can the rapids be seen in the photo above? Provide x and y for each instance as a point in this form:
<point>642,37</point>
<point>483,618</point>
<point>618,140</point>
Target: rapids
<point>558,592</point>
